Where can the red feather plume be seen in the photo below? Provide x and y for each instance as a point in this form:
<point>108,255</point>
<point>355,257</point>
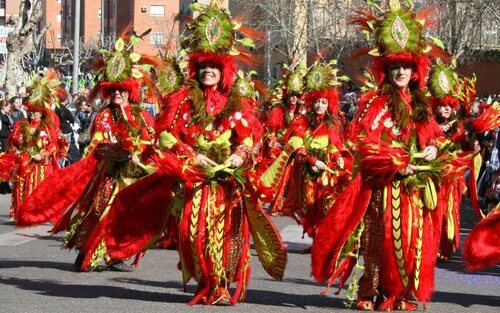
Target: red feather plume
<point>482,248</point>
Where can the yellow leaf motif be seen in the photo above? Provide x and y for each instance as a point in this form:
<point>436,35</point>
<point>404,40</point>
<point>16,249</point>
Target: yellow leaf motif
<point>135,57</point>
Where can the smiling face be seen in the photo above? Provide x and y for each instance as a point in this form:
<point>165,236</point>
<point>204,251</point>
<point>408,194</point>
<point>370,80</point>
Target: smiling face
<point>320,106</point>
<point>209,74</point>
<point>118,97</point>
<point>445,111</point>
<point>400,74</point>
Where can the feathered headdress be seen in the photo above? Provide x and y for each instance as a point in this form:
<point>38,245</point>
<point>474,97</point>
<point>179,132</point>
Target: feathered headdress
<point>45,92</point>
<point>169,75</point>
<point>124,69</point>
<point>398,37</point>
<point>442,82</point>
<point>321,81</point>
<point>292,83</point>
<point>213,39</point>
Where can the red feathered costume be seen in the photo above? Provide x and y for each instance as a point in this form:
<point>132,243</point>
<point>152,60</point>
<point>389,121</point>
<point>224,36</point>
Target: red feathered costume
<point>300,189</point>
<point>90,185</point>
<point>279,120</point>
<point>381,214</point>
<point>453,186</point>
<point>37,144</point>
<point>216,215</point>
<point>482,248</point>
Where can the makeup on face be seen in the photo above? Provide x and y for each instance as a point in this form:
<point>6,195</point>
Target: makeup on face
<point>320,106</point>
<point>400,74</point>
<point>209,74</point>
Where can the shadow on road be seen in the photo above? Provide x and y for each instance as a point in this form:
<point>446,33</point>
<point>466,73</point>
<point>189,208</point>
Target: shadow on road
<point>36,264</point>
<point>56,289</point>
<point>273,298</point>
<point>466,300</point>
<point>159,284</point>
<point>456,264</point>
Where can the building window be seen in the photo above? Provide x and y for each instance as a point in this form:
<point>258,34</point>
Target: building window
<point>2,4</point>
<point>58,18</point>
<point>157,38</point>
<point>2,20</point>
<point>157,10</point>
<point>58,36</point>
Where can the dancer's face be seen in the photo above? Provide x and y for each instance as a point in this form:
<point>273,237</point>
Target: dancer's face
<point>118,97</point>
<point>35,115</point>
<point>400,74</point>
<point>292,100</point>
<point>445,111</point>
<point>320,106</point>
<point>209,74</point>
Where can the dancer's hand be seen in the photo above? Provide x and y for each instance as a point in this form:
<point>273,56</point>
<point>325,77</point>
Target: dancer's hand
<point>135,159</point>
<point>445,127</point>
<point>320,165</point>
<point>235,160</point>
<point>429,153</point>
<point>203,160</point>
<point>340,162</point>
<point>37,158</point>
<point>408,170</point>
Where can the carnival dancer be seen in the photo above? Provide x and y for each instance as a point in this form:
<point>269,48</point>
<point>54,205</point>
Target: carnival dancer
<point>36,141</point>
<point>443,84</point>
<point>78,198</point>
<point>286,104</point>
<point>208,123</point>
<point>386,214</point>
<point>305,176</point>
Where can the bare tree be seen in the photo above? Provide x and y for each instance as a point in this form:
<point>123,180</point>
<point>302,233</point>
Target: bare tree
<point>22,40</point>
<point>168,28</point>
<point>324,30</point>
<point>465,25</point>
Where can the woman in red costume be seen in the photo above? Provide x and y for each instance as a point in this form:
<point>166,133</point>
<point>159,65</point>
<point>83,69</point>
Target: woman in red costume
<point>305,176</point>
<point>286,105</point>
<point>36,141</point>
<point>442,84</point>
<point>386,214</point>
<point>209,123</point>
<point>120,134</point>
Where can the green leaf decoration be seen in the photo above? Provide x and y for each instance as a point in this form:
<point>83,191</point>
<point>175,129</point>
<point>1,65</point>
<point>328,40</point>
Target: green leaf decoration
<point>134,40</point>
<point>441,80</point>
<point>136,73</point>
<point>317,79</point>
<point>437,41</point>
<point>213,30</point>
<point>119,45</point>
<point>400,32</point>
<point>394,5</point>
<point>116,67</point>
<point>444,82</point>
<point>135,57</point>
<point>244,122</point>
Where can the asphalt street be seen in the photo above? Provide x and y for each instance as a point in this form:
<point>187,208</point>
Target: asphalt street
<point>36,275</point>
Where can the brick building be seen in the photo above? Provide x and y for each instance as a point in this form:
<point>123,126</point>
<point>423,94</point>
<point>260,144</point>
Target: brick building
<point>117,15</point>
